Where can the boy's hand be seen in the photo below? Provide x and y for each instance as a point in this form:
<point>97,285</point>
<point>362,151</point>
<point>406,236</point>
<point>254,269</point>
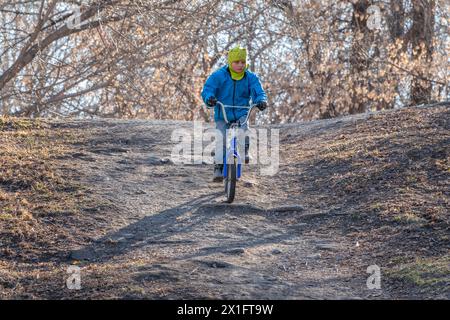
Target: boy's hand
<point>212,101</point>
<point>261,105</point>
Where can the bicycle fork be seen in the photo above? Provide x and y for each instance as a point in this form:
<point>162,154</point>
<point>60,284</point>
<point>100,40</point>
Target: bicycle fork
<point>232,153</point>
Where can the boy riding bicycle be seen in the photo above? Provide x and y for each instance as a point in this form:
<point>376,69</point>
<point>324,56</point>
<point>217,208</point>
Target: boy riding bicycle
<point>235,85</point>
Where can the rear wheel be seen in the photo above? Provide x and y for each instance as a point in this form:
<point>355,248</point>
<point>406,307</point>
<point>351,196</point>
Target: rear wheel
<point>230,181</point>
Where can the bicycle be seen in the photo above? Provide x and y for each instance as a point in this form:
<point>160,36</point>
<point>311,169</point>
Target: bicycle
<point>232,166</point>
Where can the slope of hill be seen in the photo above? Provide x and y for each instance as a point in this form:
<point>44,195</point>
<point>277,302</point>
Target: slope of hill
<point>103,195</point>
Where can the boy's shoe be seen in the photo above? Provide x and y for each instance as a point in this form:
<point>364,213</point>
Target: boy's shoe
<point>218,177</point>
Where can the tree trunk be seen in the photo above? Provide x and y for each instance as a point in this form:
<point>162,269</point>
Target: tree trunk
<point>359,59</point>
<point>422,34</point>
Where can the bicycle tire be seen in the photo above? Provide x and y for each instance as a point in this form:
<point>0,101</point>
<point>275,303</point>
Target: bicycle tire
<point>230,182</point>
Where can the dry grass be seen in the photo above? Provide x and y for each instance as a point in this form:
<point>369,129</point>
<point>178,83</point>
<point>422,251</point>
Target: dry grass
<point>31,184</point>
<point>399,163</point>
<point>389,178</point>
<point>429,275</point>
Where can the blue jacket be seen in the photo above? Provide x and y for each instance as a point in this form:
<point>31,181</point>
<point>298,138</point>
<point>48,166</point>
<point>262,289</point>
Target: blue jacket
<point>233,92</point>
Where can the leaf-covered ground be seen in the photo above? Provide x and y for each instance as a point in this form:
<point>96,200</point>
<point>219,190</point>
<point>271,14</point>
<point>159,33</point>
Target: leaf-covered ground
<point>103,195</point>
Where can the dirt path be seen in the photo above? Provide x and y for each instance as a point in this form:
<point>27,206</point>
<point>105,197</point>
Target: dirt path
<point>176,238</point>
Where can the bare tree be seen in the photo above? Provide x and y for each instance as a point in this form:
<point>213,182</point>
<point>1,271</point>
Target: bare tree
<point>150,59</point>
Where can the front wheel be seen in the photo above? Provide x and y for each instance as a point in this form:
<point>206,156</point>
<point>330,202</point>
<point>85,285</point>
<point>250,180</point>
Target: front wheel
<point>230,181</point>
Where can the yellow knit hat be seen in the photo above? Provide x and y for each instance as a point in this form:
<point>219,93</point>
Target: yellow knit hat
<point>237,54</point>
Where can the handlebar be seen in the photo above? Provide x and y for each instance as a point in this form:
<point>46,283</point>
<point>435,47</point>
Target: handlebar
<point>223,106</point>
